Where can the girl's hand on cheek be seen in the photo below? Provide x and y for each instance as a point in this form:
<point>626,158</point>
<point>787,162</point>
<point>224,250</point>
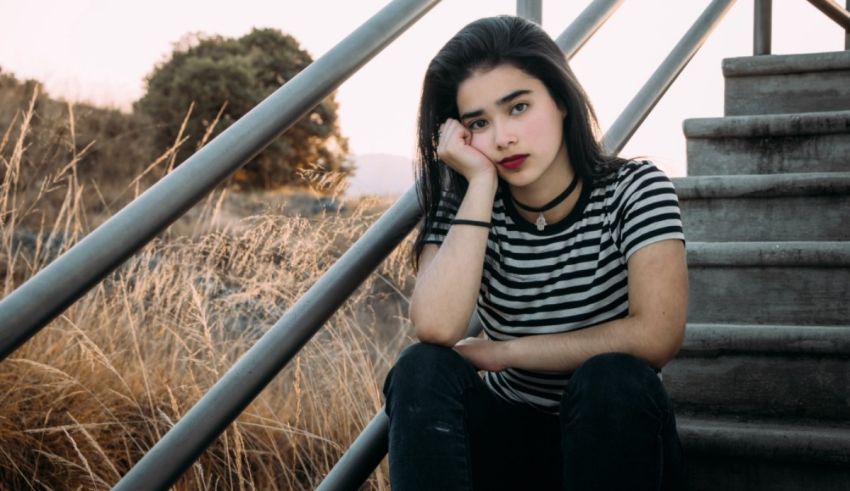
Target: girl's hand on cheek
<point>456,150</point>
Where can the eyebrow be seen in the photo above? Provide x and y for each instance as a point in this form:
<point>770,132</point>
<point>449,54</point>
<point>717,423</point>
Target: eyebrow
<point>504,100</point>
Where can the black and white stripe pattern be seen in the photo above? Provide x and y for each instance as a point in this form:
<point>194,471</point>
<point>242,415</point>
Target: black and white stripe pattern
<point>569,276</point>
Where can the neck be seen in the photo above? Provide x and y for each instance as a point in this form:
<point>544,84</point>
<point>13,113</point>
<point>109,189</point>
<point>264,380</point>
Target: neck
<point>553,182</point>
<point>558,212</point>
<point>540,194</point>
<point>543,191</point>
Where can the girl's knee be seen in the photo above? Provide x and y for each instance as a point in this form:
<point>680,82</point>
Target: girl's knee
<point>429,367</point>
<point>614,382</point>
<point>429,360</point>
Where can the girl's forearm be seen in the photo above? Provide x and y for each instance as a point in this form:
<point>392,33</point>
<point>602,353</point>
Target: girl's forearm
<point>565,352</point>
<point>446,292</point>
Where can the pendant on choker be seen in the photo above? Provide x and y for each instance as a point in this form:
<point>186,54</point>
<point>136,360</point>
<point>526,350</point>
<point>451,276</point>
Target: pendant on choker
<point>541,222</point>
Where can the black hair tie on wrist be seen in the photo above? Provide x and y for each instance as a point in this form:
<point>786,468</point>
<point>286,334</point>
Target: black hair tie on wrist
<point>460,221</point>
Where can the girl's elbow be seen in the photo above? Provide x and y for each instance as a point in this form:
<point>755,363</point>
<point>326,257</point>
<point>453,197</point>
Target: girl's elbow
<point>434,335</point>
<point>667,351</point>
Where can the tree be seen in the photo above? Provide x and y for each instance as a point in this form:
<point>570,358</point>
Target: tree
<point>213,75</point>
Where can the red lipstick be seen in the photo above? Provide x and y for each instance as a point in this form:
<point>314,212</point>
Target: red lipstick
<point>513,162</point>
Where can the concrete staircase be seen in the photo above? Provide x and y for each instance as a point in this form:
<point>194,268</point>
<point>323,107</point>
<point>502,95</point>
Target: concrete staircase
<point>762,383</point>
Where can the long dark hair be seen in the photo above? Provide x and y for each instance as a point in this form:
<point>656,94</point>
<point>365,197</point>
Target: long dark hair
<point>483,45</point>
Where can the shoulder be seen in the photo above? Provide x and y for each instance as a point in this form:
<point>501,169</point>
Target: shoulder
<point>637,170</point>
<point>645,207</point>
<point>637,177</point>
<point>634,182</point>
<point>627,173</point>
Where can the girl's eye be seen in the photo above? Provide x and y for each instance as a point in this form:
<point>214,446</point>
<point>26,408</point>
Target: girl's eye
<point>523,106</point>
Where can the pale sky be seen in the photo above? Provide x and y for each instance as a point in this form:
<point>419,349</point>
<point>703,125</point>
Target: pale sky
<point>100,50</point>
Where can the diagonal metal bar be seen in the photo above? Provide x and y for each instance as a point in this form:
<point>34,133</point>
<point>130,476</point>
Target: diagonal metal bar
<point>834,11</point>
<point>585,25</point>
<point>531,10</point>
<point>362,457</point>
<point>44,296</point>
<point>223,403</point>
<point>369,448</point>
<point>648,96</point>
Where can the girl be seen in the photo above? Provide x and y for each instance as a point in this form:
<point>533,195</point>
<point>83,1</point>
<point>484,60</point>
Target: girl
<point>574,263</point>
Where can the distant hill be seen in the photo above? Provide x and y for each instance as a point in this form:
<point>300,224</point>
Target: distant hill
<point>381,174</point>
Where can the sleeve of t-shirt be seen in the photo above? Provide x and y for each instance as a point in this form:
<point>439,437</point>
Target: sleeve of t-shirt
<point>446,210</point>
<point>649,209</point>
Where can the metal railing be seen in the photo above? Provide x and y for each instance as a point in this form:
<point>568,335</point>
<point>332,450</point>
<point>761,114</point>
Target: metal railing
<point>26,310</point>
<point>531,10</point>
<point>763,14</point>
<point>762,17</point>
<point>369,448</point>
<point>585,25</point>
<point>163,464</point>
<point>47,294</point>
<point>298,325</point>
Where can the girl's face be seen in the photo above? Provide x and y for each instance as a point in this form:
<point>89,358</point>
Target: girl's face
<point>509,113</point>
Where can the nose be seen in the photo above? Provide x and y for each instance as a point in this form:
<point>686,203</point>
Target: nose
<point>504,135</point>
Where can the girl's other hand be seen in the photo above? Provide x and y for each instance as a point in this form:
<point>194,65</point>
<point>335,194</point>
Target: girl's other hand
<point>484,354</point>
<point>456,151</point>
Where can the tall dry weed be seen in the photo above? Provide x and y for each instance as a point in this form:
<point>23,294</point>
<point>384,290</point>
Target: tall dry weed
<point>88,395</point>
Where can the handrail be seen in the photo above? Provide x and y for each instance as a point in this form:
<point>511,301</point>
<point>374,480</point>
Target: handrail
<point>762,19</point>
<point>347,473</point>
<point>654,88</point>
<point>163,464</point>
<point>531,10</point>
<point>362,457</point>
<point>834,11</point>
<point>44,296</point>
<point>585,26</point>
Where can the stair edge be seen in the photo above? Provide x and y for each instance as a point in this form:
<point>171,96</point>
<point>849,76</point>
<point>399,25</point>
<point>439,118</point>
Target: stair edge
<point>786,64</point>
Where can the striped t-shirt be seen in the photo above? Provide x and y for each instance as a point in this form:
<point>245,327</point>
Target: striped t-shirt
<point>569,276</point>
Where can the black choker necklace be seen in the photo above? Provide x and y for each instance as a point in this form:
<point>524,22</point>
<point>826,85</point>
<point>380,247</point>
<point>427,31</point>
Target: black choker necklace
<point>541,220</point>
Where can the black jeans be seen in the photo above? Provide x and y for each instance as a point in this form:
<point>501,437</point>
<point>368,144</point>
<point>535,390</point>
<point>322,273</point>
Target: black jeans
<point>616,429</point>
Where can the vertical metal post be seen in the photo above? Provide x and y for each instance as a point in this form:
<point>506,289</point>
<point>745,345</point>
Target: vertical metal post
<point>761,27</point>
<point>531,10</point>
<point>847,31</point>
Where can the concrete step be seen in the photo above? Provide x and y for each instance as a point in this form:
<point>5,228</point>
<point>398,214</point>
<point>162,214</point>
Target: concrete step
<point>811,206</point>
<point>768,371</point>
<point>792,283</point>
<point>764,455</point>
<point>776,84</point>
<point>769,144</point>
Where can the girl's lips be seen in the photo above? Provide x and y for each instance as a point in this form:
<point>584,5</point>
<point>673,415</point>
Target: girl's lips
<point>513,164</point>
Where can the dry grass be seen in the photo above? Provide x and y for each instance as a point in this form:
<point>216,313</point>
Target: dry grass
<point>89,394</point>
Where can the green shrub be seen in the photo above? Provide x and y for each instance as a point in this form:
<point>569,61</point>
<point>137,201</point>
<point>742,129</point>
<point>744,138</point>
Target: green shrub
<point>221,79</point>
